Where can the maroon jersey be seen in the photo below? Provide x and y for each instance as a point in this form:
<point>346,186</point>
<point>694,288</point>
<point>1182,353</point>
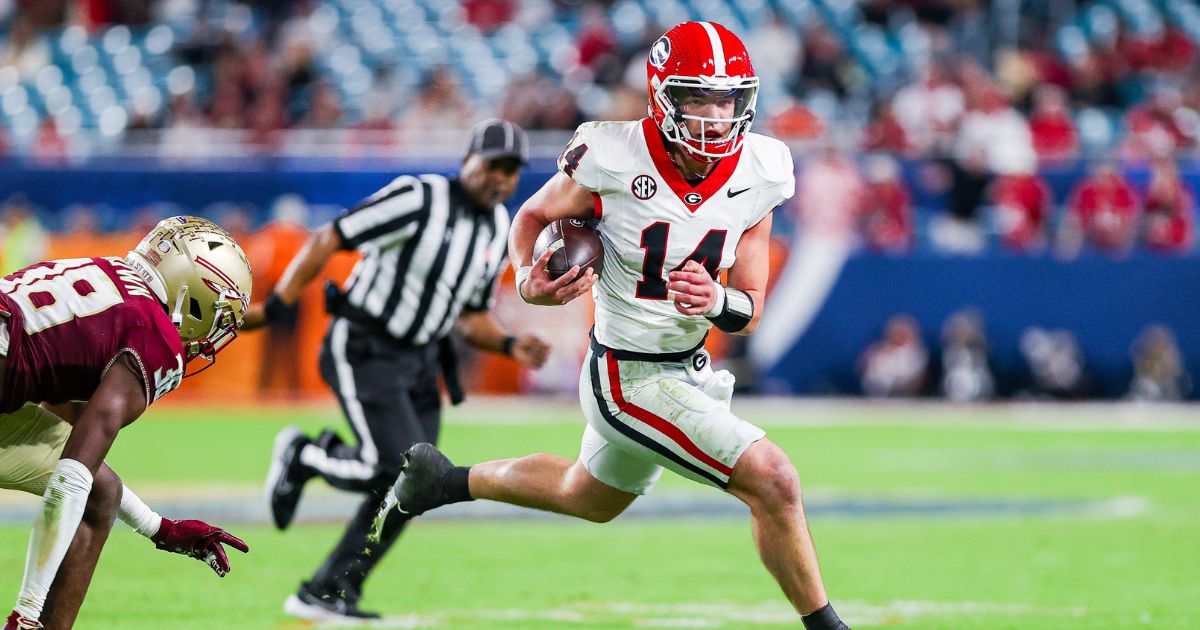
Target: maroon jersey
<point>71,320</point>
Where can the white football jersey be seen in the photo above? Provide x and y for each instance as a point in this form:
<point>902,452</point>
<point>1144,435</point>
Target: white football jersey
<point>651,221</point>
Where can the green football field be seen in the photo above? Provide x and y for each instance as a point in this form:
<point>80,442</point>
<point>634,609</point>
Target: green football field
<point>925,517</point>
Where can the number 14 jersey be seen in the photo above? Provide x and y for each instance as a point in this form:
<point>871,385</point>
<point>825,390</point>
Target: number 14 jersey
<point>652,221</point>
<point>69,321</point>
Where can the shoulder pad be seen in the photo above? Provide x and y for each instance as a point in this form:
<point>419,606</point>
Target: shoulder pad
<point>598,148</point>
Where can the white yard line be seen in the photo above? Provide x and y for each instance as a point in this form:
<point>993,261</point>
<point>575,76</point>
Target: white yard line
<point>244,504</point>
<point>857,412</point>
<point>722,615</point>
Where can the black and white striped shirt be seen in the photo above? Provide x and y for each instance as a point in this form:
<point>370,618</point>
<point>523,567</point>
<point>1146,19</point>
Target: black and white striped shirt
<point>428,251</point>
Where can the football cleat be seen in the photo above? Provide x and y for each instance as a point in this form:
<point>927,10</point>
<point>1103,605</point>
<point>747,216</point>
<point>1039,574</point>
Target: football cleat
<point>326,609</point>
<point>287,476</point>
<point>421,485</point>
<point>17,622</point>
<point>389,502</point>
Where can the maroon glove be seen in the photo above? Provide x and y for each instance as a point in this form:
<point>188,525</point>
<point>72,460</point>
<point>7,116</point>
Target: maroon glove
<point>17,622</point>
<point>198,540</point>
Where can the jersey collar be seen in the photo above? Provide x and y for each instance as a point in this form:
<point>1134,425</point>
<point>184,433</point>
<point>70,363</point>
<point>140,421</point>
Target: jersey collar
<point>699,193</point>
<point>148,274</point>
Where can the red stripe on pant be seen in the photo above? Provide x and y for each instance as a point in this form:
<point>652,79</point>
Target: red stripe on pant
<point>659,424</point>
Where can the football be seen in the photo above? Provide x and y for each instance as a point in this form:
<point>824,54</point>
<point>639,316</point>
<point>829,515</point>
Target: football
<point>574,242</point>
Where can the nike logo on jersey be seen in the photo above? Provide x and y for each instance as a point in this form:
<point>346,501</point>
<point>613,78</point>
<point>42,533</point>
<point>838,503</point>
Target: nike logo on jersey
<point>733,193</point>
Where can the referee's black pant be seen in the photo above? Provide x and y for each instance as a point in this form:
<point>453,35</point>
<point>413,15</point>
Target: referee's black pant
<point>390,395</point>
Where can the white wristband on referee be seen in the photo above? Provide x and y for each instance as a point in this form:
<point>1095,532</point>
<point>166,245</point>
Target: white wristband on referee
<point>719,302</point>
<point>522,276</point>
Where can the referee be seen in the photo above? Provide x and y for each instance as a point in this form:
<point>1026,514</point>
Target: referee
<point>432,248</point>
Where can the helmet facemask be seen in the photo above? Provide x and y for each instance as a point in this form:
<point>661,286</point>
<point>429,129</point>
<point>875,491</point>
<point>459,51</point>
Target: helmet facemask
<point>224,328</point>
<point>675,94</point>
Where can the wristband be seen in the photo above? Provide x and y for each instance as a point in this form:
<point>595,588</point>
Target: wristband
<point>522,276</point>
<point>738,311</point>
<point>275,309</point>
<point>506,346</point>
<point>138,515</point>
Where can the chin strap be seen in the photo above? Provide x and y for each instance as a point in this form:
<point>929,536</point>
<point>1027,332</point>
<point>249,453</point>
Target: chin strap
<point>177,310</point>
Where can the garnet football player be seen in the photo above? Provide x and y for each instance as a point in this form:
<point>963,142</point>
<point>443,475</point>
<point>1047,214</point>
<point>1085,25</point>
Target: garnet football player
<point>117,333</point>
<point>678,198</point>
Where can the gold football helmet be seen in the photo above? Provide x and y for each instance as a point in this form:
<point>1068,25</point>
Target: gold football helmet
<point>205,281</point>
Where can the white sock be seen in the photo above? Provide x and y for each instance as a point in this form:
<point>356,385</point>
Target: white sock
<point>62,508</point>
<point>137,514</point>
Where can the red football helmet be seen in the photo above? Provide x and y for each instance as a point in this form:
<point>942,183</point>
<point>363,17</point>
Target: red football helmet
<point>704,60</point>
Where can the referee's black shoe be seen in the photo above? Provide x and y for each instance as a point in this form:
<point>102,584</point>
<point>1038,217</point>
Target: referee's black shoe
<point>287,476</point>
<point>422,482</point>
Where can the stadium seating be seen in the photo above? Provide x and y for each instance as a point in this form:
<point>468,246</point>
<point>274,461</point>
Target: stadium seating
<point>97,85</point>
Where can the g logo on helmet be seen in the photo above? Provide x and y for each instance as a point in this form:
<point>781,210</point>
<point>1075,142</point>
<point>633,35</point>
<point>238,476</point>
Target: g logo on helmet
<point>660,52</point>
<point>577,223</point>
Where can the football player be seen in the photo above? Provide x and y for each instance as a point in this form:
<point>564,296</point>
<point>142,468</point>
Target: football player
<point>117,333</point>
<point>678,198</point>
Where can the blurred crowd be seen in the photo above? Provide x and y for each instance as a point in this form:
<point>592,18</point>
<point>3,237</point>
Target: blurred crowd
<point>868,200</point>
<point>974,113</point>
<point>994,87</point>
<point>901,365</point>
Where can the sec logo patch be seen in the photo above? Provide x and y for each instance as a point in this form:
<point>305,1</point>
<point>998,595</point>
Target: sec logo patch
<point>644,187</point>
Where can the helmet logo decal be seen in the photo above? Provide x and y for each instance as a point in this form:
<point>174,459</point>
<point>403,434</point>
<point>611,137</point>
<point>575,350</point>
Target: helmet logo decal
<point>228,293</point>
<point>220,274</point>
<point>660,52</point>
<point>644,187</point>
<point>693,198</point>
